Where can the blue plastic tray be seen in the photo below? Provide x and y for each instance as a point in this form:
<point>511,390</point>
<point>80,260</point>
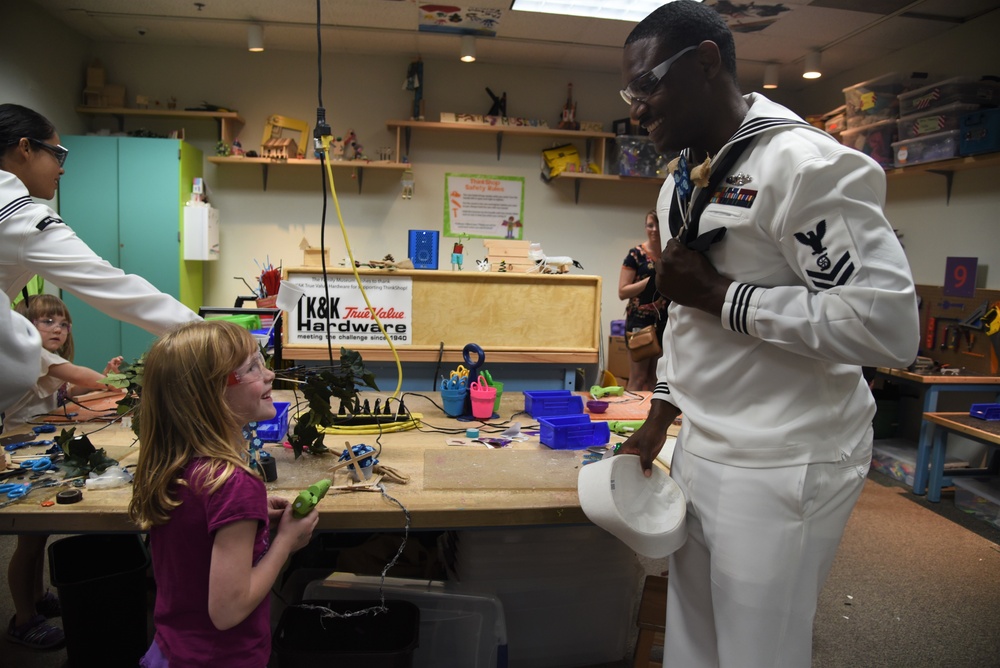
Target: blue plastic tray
<point>274,430</point>
<point>541,403</point>
<point>572,432</point>
<point>988,412</point>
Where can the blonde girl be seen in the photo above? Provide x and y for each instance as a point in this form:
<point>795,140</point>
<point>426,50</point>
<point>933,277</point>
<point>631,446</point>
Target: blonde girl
<point>57,376</point>
<point>206,511</point>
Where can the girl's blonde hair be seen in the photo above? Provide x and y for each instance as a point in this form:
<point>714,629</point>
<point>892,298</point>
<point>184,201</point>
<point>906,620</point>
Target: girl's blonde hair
<point>38,307</point>
<point>183,415</point>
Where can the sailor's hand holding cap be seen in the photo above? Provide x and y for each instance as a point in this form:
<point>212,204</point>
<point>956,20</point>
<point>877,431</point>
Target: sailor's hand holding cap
<point>648,440</point>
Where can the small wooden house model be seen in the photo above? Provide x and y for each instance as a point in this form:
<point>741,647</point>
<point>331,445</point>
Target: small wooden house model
<point>280,149</point>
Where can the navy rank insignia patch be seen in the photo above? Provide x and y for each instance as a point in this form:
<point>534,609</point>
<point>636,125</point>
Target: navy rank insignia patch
<point>734,197</point>
<point>45,222</point>
<point>830,273</point>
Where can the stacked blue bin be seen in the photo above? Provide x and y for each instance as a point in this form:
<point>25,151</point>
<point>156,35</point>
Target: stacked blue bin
<point>563,424</point>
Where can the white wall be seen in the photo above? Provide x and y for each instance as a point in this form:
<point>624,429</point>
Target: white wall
<point>364,92</point>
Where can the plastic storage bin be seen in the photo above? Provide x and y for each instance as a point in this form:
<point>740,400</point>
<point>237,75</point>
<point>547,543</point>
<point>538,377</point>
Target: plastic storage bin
<point>637,156</point>
<point>458,629</point>
<point>304,638</point>
<point>572,432</point>
<point>105,572</point>
<point>966,90</point>
<point>874,140</point>
<point>980,132</point>
<point>541,403</point>
<point>979,497</point>
<point>877,99</point>
<point>948,117</point>
<point>274,430</point>
<point>988,412</point>
<point>938,146</point>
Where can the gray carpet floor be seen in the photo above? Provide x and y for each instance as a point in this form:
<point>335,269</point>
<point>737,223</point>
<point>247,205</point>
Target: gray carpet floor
<point>914,585</point>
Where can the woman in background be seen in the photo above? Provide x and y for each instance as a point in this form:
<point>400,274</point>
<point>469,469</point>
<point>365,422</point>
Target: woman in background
<point>645,306</point>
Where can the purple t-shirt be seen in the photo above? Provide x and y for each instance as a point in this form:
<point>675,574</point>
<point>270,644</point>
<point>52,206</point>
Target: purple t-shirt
<point>182,556</point>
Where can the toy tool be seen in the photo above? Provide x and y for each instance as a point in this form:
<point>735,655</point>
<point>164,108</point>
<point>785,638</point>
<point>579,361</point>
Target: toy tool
<point>309,497</point>
<point>597,391</point>
<point>624,426</point>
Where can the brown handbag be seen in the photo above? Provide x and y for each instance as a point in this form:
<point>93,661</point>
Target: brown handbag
<point>643,344</point>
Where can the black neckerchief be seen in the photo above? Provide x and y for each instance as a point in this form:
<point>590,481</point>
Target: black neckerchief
<point>744,135</point>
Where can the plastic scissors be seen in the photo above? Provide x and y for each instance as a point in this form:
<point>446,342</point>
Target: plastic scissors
<point>38,465</point>
<point>485,376</point>
<point>455,381</point>
<point>11,447</point>
<point>14,490</point>
<point>479,385</point>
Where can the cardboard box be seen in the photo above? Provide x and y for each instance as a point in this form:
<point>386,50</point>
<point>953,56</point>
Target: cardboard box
<point>617,361</point>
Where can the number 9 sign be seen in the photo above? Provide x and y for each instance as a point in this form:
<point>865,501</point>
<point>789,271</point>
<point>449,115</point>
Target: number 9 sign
<point>960,276</point>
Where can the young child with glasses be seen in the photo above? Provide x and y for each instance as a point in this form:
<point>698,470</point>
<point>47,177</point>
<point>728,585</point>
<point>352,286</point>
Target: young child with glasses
<point>58,376</point>
<point>207,512</point>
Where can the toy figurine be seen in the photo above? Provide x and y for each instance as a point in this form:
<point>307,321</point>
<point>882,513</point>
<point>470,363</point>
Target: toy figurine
<point>456,255</point>
<point>237,149</point>
<point>415,82</point>
<point>499,107</point>
<point>568,121</point>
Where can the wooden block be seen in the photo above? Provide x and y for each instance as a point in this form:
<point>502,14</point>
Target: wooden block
<point>311,257</point>
<point>504,251</point>
<point>506,243</point>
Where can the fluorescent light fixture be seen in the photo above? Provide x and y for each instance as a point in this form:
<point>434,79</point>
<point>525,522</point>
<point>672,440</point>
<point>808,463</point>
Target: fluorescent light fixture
<point>811,70</point>
<point>255,37</point>
<point>621,10</point>
<point>468,53</point>
<point>771,76</point>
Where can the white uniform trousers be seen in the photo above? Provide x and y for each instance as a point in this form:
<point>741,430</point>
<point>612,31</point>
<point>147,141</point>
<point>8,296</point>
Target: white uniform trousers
<point>742,590</point>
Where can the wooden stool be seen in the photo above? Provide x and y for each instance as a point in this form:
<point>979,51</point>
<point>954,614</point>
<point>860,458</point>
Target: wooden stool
<point>651,619</point>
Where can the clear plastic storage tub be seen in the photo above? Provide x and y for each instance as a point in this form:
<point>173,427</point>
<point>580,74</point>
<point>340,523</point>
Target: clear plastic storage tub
<point>874,140</point>
<point>948,117</point>
<point>877,99</point>
<point>938,146</point>
<point>966,90</point>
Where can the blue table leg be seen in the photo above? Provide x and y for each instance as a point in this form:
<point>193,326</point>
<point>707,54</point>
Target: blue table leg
<point>936,481</point>
<point>924,442</point>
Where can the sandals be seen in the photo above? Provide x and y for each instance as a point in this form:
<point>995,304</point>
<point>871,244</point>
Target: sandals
<point>48,606</point>
<point>36,634</point>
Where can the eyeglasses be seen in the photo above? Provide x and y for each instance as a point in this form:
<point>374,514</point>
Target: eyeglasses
<point>643,86</point>
<point>51,324</point>
<point>254,370</point>
<point>60,152</point>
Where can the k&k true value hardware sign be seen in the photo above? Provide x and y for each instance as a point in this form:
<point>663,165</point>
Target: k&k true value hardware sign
<point>345,316</point>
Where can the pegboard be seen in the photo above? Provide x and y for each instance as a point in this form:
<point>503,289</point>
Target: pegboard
<point>948,344</point>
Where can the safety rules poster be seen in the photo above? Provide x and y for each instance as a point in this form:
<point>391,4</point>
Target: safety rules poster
<point>476,205</point>
<point>346,316</point>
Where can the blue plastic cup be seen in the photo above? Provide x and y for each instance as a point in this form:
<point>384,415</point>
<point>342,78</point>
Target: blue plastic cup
<point>454,401</point>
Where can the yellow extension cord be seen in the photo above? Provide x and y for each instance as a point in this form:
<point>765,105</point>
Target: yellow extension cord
<point>365,429</point>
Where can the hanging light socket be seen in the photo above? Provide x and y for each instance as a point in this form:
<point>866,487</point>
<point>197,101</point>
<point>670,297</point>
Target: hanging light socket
<point>468,53</point>
<point>255,37</point>
<point>771,76</point>
<point>811,70</point>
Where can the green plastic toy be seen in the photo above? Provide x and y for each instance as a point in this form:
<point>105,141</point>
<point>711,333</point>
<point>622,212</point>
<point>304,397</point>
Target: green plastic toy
<point>597,391</point>
<point>624,426</point>
<point>309,497</point>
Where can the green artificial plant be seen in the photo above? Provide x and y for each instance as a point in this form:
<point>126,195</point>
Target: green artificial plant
<point>319,388</point>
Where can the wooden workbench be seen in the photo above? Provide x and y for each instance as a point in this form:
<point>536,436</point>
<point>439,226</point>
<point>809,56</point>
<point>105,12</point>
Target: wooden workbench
<point>450,486</point>
<point>963,424</point>
<point>935,383</point>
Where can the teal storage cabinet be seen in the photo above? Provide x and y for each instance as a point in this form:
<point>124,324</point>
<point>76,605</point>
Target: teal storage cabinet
<point>125,196</point>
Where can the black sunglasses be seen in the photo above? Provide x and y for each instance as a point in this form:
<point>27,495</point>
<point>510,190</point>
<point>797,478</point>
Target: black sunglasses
<point>60,152</point>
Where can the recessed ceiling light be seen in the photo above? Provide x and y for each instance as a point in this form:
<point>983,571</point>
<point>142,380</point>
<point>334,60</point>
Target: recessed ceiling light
<point>621,10</point>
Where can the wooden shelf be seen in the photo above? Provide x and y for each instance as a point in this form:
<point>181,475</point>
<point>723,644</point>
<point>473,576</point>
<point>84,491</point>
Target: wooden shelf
<point>267,163</point>
<point>230,122</point>
<point>404,128</point>
<point>947,168</point>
